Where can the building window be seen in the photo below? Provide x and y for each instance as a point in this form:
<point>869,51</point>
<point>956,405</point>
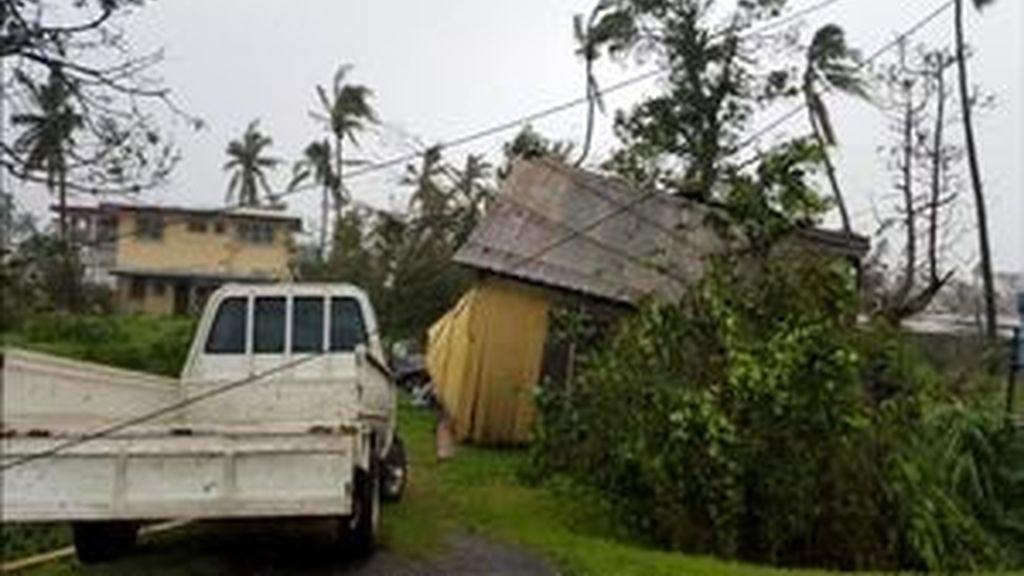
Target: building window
<point>227,336</point>
<point>149,226</point>
<point>106,229</point>
<point>219,227</point>
<point>197,225</point>
<point>137,289</point>
<point>256,232</point>
<point>159,289</point>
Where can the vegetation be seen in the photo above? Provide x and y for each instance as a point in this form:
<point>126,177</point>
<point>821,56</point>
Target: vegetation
<point>47,134</point>
<point>345,113</point>
<point>248,166</point>
<point>78,72</point>
<point>832,63</point>
<point>760,426</point>
<point>149,343</point>
<point>39,275</point>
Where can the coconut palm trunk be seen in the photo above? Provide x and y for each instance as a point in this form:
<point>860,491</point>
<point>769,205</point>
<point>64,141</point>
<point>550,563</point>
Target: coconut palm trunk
<point>830,172</point>
<point>984,248</point>
<point>325,206</point>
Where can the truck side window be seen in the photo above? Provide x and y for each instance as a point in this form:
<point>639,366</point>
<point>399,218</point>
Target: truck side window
<point>308,324</point>
<point>228,333</point>
<point>268,326</point>
<point>347,327</point>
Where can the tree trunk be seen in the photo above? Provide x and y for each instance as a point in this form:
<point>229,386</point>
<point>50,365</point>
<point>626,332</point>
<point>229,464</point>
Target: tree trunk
<point>340,183</point>
<point>907,187</point>
<point>937,171</point>
<point>324,209</point>
<point>830,171</point>
<point>592,97</point>
<point>984,249</point>
<point>68,288</point>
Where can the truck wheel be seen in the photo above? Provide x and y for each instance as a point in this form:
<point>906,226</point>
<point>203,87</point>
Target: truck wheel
<point>103,541</point>
<point>360,528</point>
<point>393,472</point>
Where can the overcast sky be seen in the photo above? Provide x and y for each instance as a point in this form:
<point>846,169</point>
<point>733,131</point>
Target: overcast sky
<point>445,68</point>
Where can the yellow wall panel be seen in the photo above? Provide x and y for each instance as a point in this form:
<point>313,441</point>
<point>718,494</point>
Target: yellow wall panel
<point>485,358</point>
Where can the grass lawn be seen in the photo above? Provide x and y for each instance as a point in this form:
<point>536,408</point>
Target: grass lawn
<point>481,491</point>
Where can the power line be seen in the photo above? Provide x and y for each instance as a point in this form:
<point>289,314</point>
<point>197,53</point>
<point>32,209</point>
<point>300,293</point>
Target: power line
<point>575,233</point>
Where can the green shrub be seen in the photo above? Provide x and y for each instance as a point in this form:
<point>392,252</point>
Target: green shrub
<point>149,343</point>
<point>753,420</point>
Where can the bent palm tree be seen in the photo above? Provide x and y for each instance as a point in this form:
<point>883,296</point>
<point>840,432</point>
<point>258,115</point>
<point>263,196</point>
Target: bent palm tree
<point>346,112</point>
<point>249,166</point>
<point>831,64</point>
<point>984,248</point>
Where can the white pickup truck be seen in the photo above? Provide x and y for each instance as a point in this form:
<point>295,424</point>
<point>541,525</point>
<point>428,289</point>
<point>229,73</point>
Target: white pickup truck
<point>283,408</point>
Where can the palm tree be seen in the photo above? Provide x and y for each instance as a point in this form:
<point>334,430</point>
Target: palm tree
<point>316,162</point>
<point>984,248</point>
<point>831,64</point>
<point>471,183</point>
<point>346,112</point>
<point>47,135</point>
<point>248,166</point>
<point>428,198</point>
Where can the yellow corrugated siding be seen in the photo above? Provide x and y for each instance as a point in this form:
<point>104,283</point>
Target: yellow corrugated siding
<point>485,359</point>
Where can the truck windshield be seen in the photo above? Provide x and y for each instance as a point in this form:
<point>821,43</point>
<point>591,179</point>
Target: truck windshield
<point>228,333</point>
<point>347,327</point>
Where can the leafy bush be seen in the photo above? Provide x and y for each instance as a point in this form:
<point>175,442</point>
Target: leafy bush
<point>139,342</point>
<point>752,420</point>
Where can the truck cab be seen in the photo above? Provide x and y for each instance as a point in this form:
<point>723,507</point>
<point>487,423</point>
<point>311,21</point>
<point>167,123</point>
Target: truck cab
<point>283,408</point>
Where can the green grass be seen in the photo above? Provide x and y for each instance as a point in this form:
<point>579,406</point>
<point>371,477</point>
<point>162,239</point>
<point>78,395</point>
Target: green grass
<point>482,491</point>
<point>156,344</point>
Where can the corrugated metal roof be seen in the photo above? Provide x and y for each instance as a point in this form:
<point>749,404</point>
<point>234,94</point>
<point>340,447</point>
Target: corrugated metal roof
<point>532,232</point>
<point>540,228</point>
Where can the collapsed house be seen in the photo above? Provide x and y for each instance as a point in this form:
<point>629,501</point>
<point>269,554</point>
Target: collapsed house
<point>556,236</point>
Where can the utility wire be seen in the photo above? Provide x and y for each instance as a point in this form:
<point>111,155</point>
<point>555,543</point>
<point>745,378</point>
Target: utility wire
<point>611,214</point>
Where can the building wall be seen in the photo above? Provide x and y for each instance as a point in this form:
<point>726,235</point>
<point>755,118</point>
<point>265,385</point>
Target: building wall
<point>211,252</point>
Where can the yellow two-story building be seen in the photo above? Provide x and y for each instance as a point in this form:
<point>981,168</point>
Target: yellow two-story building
<point>167,260</point>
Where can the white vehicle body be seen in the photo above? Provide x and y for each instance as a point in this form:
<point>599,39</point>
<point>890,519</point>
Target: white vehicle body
<point>287,442</point>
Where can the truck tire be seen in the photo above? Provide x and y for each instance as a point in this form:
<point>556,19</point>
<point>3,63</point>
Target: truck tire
<point>103,541</point>
<point>359,530</point>
<point>393,472</point>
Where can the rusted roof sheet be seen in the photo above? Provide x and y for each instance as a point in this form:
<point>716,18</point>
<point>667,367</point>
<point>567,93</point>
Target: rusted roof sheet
<point>567,228</point>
